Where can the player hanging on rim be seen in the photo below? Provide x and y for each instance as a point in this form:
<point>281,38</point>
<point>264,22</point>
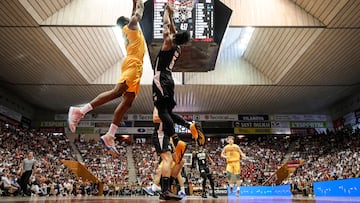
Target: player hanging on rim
<point>129,83</point>
<point>164,101</point>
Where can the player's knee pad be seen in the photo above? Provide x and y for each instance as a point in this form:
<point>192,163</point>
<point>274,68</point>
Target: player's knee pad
<point>237,176</point>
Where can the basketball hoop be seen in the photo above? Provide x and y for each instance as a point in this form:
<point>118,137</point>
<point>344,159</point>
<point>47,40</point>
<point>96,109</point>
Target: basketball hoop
<point>182,9</point>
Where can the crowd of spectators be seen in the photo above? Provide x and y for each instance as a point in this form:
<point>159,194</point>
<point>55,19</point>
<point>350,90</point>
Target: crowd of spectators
<point>112,171</point>
<point>328,156</point>
<point>51,177</point>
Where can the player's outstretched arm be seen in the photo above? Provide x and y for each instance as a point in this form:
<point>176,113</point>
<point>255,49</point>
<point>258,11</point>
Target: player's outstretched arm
<point>168,28</point>
<point>137,14</point>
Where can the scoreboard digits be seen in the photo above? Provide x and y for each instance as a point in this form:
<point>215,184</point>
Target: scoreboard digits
<point>200,22</point>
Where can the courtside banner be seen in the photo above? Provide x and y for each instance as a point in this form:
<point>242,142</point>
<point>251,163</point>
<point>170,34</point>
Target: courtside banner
<point>255,124</point>
<point>281,190</point>
<point>338,188</point>
<point>46,124</point>
<point>253,117</point>
<point>258,131</point>
<point>217,117</point>
<point>307,124</point>
<point>139,117</point>
<point>298,117</point>
<point>281,131</point>
<point>128,130</point>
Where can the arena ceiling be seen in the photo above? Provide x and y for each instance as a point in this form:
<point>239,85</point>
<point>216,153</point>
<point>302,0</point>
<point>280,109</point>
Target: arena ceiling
<point>303,57</point>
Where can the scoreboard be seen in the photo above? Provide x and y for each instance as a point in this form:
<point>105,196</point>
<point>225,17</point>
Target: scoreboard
<point>199,21</point>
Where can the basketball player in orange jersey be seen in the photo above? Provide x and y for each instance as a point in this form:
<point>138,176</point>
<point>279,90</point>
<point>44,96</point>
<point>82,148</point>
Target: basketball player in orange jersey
<point>233,154</point>
<point>129,83</point>
<point>178,150</point>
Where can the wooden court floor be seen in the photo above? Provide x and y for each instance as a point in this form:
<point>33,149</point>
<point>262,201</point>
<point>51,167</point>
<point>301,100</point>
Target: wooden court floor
<point>189,199</point>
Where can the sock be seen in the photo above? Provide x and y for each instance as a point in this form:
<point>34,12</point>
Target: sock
<point>172,181</point>
<point>165,184</point>
<point>182,189</point>
<point>85,109</point>
<point>112,130</point>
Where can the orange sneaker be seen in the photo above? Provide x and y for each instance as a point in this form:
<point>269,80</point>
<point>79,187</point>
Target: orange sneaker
<point>197,134</point>
<point>74,117</point>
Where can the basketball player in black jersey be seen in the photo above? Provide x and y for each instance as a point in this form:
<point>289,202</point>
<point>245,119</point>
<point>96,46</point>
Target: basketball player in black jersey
<point>202,157</point>
<point>163,97</point>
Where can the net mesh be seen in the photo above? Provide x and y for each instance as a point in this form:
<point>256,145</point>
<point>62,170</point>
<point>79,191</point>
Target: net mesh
<point>182,9</point>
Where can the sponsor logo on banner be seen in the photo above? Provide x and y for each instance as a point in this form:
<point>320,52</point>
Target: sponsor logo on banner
<point>220,191</point>
<point>85,130</point>
<point>218,117</point>
<point>188,117</point>
<point>46,124</point>
<point>196,117</point>
<point>52,130</point>
<point>140,117</point>
<point>253,117</point>
<point>103,124</point>
<point>86,124</point>
<point>101,117</point>
<point>255,124</point>
<point>298,117</point>
<point>280,124</point>
<point>307,124</point>
<point>252,130</point>
<point>278,131</point>
<point>128,130</point>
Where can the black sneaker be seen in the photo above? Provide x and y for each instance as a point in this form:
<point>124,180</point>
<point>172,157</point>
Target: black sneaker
<point>167,195</point>
<point>214,195</point>
<point>162,197</point>
<point>203,195</point>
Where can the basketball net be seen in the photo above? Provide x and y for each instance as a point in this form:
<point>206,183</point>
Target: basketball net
<point>182,9</point>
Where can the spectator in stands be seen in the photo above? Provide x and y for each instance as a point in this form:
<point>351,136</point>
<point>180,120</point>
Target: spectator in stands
<point>8,184</point>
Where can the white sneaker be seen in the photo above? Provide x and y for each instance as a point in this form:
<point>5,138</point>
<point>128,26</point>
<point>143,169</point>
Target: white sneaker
<point>181,193</point>
<point>155,188</point>
<point>74,117</point>
<point>148,191</point>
